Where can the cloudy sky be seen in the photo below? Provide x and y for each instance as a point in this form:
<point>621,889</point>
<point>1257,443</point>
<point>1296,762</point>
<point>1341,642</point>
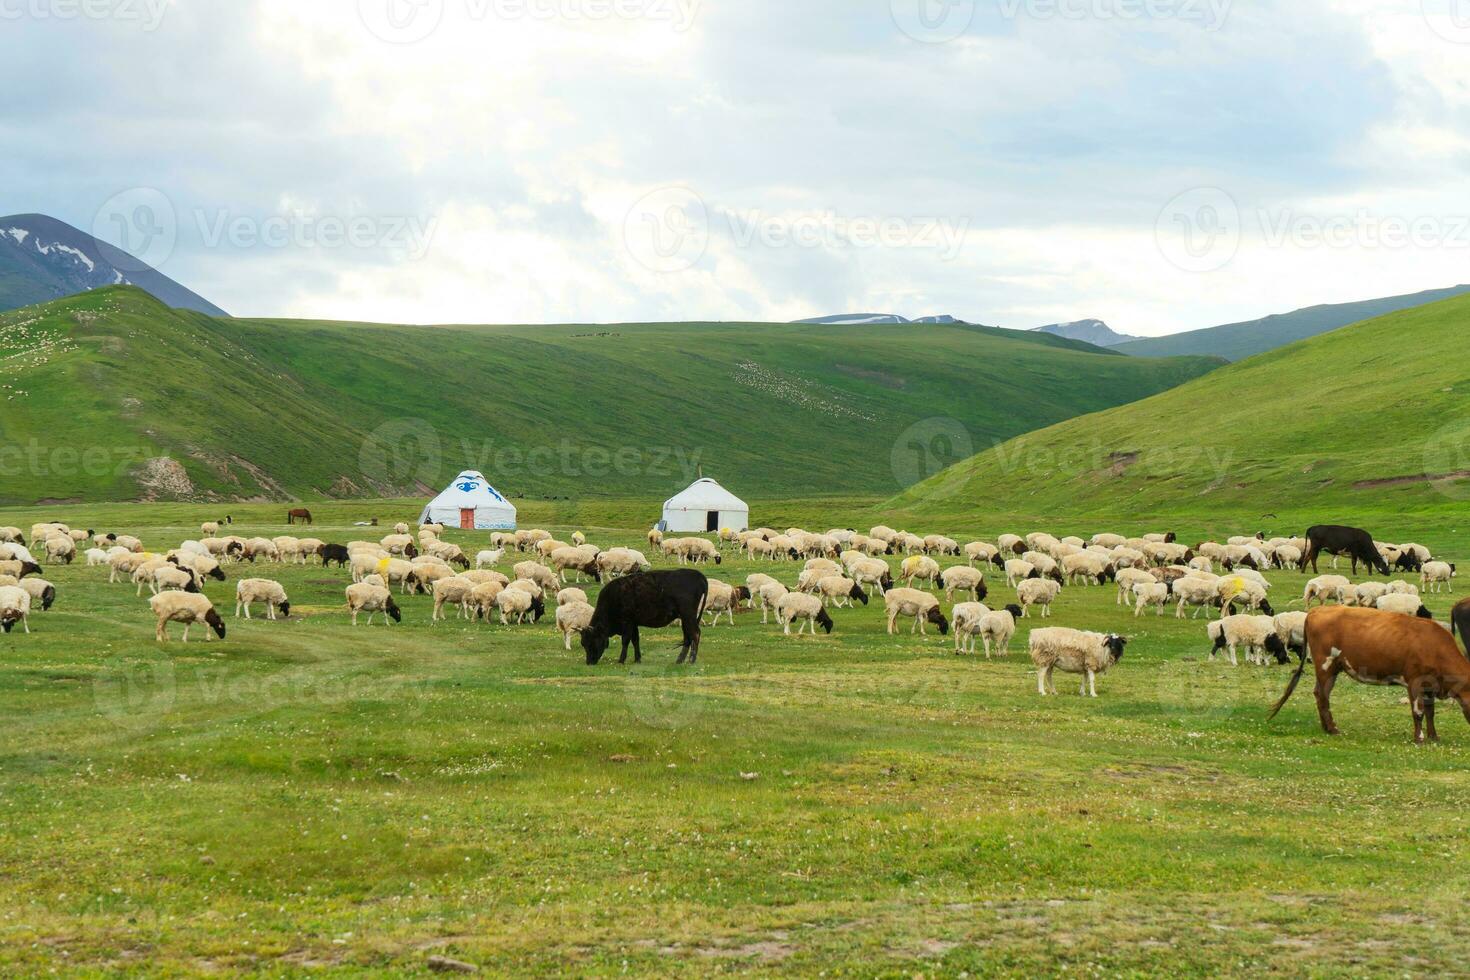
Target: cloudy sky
<point>1161,164</point>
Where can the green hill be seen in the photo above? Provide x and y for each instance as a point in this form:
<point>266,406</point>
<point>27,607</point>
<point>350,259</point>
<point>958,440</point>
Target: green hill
<point>1375,416</point>
<point>114,396</point>
<point>1237,341</point>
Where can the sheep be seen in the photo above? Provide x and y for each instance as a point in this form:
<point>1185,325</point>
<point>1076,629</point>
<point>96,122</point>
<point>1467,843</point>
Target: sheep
<point>515,603</point>
<point>568,596</point>
<point>1408,605</point>
<point>399,572</point>
<point>480,577</point>
<point>398,544</point>
<point>962,578</point>
<point>171,577</point>
<point>206,565</point>
<point>981,552</point>
<point>1202,593</point>
<point>574,617</point>
<point>491,558</point>
<point>938,544</point>
<point>1019,570</point>
<point>454,590</point>
<point>372,599</point>
<point>1109,540</point>
<point>258,548</point>
<point>1325,587</point>
<point>810,580</point>
<point>186,608</point>
<point>289,550</point>
<point>129,542</point>
<point>310,548</point>
<point>919,568</point>
<point>770,594</point>
<point>530,588</point>
<point>908,544</point>
<point>1436,576</point>
<point>755,580</point>
<point>965,618</point>
<point>997,627</point>
<point>1201,563</point>
<point>545,548</point>
<point>1129,558</point>
<point>794,605</point>
<point>1150,594</point>
<point>874,547</point>
<point>424,576</point>
<point>119,564</point>
<point>1046,565</point>
<point>1010,544</point>
<point>838,590</point>
<point>363,563</point>
<point>696,551</point>
<point>483,596</point>
<point>1367,594</point>
<point>824,565</point>
<point>264,590</point>
<point>1400,587</point>
<point>758,548</point>
<point>402,528</point>
<point>1292,628</point>
<point>15,607</point>
<point>1256,633</point>
<point>920,605</point>
<point>11,535</point>
<point>77,535</point>
<point>1234,590</point>
<point>534,571</point>
<point>582,561</point>
<point>1128,579</point>
<point>96,556</point>
<point>1037,592</point>
<point>60,547</point>
<point>1074,652</point>
<point>1288,556</point>
<point>40,532</point>
<point>871,572</point>
<point>374,579</point>
<point>1089,568</point>
<point>655,538</point>
<point>724,599</point>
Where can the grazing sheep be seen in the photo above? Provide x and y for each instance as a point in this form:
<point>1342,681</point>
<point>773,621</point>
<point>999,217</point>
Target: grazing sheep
<point>723,599</point>
<point>491,558</point>
<point>770,594</point>
<point>534,571</point>
<point>187,608</point>
<point>1256,633</point>
<point>251,590</point>
<point>1201,563</point>
<point>997,627</point>
<point>755,580</point>
<point>1292,628</point>
<point>1089,568</point>
<point>1235,590</point>
<point>871,572</point>
<point>1011,544</point>
<point>15,607</point>
<point>1019,570</point>
<point>372,599</point>
<point>1436,576</point>
<point>1327,587</point>
<point>1400,587</point>
<point>129,542</point>
<point>516,603</point>
<point>12,535</point>
<point>424,576</point>
<point>261,548</point>
<point>480,577</point>
<point>482,598</point>
<point>1367,594</point>
<point>1288,556</point>
<point>1073,652</point>
<point>568,596</point>
<point>919,568</point>
<point>455,590</point>
<point>396,571</point>
<point>962,578</point>
<point>1109,540</point>
<point>1127,579</point>
<point>795,605</point>
<point>1150,594</point>
<point>60,547</point>
<point>826,566</point>
<point>981,551</point>
<point>938,544</point>
<point>1408,605</point>
<point>96,556</point>
<point>205,565</point>
<point>1037,592</point>
<point>402,528</point>
<point>655,538</point>
<point>1202,593</point>
<point>574,617</point>
<point>289,550</point>
<point>838,590</point>
<point>965,619</point>
<point>582,561</point>
<point>920,605</point>
<point>398,544</point>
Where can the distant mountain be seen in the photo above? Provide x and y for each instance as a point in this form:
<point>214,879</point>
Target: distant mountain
<point>1093,332</point>
<point>866,318</point>
<point>1237,341</point>
<point>42,259</point>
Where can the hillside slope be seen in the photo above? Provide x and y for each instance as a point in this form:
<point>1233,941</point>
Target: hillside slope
<point>1375,415</point>
<point>42,259</point>
<point>260,409</point>
<point>1237,341</point>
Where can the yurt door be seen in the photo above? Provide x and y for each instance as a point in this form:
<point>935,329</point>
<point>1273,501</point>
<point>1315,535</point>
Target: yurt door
<point>712,522</point>
<point>467,519</point>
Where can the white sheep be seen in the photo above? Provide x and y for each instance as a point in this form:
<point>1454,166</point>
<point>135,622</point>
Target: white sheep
<point>796,605</point>
<point>1019,570</point>
<point>1292,628</point>
<point>1073,652</point>
<point>188,608</point>
<point>1256,633</point>
<point>1128,579</point>
<point>839,590</point>
<point>171,577</point>
<point>1408,605</point>
<point>568,596</point>
<point>1086,567</point>
<point>922,606</point>
<point>96,556</point>
<point>1325,587</point>
<point>981,552</point>
<point>372,599</point>
<point>491,558</point>
<point>919,568</point>
<point>871,572</point>
<point>60,547</point>
<point>251,590</point>
<point>1436,576</point>
<point>965,619</point>
<point>770,594</point>
<point>1237,591</point>
<point>516,603</point>
<point>15,607</point>
<point>574,617</point>
<point>1367,594</point>
<point>1150,594</point>
<point>534,571</point>
<point>455,590</point>
<point>962,578</point>
<point>997,627</point>
<point>1202,593</point>
<point>1038,592</point>
<point>724,599</point>
<point>1400,587</point>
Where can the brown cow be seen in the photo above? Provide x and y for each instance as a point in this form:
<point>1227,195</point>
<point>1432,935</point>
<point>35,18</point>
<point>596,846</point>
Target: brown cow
<point>1388,649</point>
<point>1460,622</point>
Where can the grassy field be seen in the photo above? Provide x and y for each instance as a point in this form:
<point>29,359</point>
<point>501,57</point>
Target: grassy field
<point>1374,418</point>
<point>103,382</point>
<point>310,797</point>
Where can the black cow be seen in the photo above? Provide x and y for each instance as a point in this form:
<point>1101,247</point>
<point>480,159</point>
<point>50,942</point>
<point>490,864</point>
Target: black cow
<point>1348,542</point>
<point>648,599</point>
<point>335,553</point>
<point>1460,623</point>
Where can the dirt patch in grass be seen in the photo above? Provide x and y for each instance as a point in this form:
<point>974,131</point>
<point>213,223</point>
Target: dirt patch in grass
<point>1409,481</point>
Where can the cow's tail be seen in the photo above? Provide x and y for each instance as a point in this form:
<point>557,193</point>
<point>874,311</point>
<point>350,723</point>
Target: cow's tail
<point>703,601</point>
<point>1301,668</point>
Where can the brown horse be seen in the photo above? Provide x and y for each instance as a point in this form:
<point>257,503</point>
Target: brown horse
<point>299,514</point>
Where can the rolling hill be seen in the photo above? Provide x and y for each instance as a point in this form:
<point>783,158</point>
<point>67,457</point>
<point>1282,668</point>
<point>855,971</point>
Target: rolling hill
<point>1372,417</point>
<point>110,395</point>
<point>1094,332</point>
<point>1236,341</point>
<point>43,259</point>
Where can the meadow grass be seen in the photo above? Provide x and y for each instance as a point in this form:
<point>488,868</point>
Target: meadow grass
<point>309,797</point>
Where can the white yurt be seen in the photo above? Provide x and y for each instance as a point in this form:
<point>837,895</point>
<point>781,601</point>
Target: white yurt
<point>706,507</point>
<point>471,503</point>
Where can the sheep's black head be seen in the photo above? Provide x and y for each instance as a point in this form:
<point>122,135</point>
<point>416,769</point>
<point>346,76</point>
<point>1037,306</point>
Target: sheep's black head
<point>538,609</point>
<point>1277,649</point>
<point>1424,613</point>
<point>719,560</point>
<point>217,573</point>
<point>594,642</point>
<point>886,581</point>
<point>1016,611</point>
<point>937,618</point>
<point>48,596</point>
<point>460,561</point>
<point>1266,609</point>
<point>1249,561</point>
<point>215,623</point>
<point>410,552</point>
<point>234,548</point>
<point>8,621</point>
<point>741,594</point>
<point>394,613</point>
<point>858,594</point>
<point>1115,645</point>
<point>192,586</point>
<point>1170,538</point>
<point>29,568</point>
<point>825,621</point>
<point>1218,633</point>
<point>1056,576</point>
<point>286,609</point>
